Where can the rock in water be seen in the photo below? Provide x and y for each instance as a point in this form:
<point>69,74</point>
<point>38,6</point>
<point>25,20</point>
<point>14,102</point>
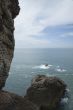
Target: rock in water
<point>46,92</point>
<point>8,11</point>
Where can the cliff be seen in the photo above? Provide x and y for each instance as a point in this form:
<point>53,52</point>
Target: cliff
<point>9,9</point>
<point>46,92</point>
<point>42,87</point>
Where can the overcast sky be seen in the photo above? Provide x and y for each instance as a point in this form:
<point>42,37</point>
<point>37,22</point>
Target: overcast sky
<point>44,24</point>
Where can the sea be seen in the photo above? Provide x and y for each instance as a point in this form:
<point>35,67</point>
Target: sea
<point>27,63</point>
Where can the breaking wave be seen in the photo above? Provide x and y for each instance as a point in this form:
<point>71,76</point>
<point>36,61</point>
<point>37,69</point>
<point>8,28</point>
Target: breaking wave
<point>64,100</point>
<point>47,66</point>
<point>61,70</point>
<point>66,97</point>
<point>43,66</point>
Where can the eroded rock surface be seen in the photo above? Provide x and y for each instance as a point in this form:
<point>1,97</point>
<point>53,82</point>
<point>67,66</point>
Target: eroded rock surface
<point>9,9</point>
<point>46,92</point>
<point>10,101</point>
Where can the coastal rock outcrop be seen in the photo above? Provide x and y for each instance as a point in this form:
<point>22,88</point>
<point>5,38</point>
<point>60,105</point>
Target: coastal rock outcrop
<point>10,101</point>
<point>9,9</point>
<point>46,92</point>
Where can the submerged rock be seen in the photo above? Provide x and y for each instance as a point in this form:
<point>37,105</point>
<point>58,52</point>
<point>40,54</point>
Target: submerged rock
<point>46,64</point>
<point>46,92</point>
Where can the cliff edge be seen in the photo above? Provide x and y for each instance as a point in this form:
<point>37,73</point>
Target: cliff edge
<point>9,9</point>
<point>45,92</point>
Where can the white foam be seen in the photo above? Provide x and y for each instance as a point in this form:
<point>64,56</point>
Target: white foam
<point>64,100</point>
<point>43,66</point>
<point>50,65</point>
<point>68,90</point>
<point>61,70</point>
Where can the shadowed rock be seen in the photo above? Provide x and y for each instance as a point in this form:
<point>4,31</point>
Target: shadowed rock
<point>8,11</point>
<point>46,92</point>
<point>10,101</point>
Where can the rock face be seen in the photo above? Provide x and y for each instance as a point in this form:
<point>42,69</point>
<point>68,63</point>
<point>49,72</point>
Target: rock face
<point>46,92</point>
<point>9,9</point>
<point>10,101</point>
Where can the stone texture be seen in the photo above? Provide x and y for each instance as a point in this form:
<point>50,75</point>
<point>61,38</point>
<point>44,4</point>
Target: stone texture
<point>10,101</point>
<point>5,100</point>
<point>9,9</point>
<point>46,92</point>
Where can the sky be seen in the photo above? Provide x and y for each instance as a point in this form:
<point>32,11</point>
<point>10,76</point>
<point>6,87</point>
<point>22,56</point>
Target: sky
<point>44,24</point>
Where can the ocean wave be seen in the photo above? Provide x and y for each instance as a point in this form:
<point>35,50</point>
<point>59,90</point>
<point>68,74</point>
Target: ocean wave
<point>64,100</point>
<point>66,97</point>
<point>43,66</point>
<point>48,66</point>
<point>67,90</point>
<point>61,70</point>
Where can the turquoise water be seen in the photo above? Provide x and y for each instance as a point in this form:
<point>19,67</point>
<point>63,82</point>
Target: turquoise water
<point>29,62</point>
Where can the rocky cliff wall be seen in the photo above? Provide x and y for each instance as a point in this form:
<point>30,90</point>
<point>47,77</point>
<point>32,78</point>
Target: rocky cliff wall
<point>45,92</point>
<point>9,9</point>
